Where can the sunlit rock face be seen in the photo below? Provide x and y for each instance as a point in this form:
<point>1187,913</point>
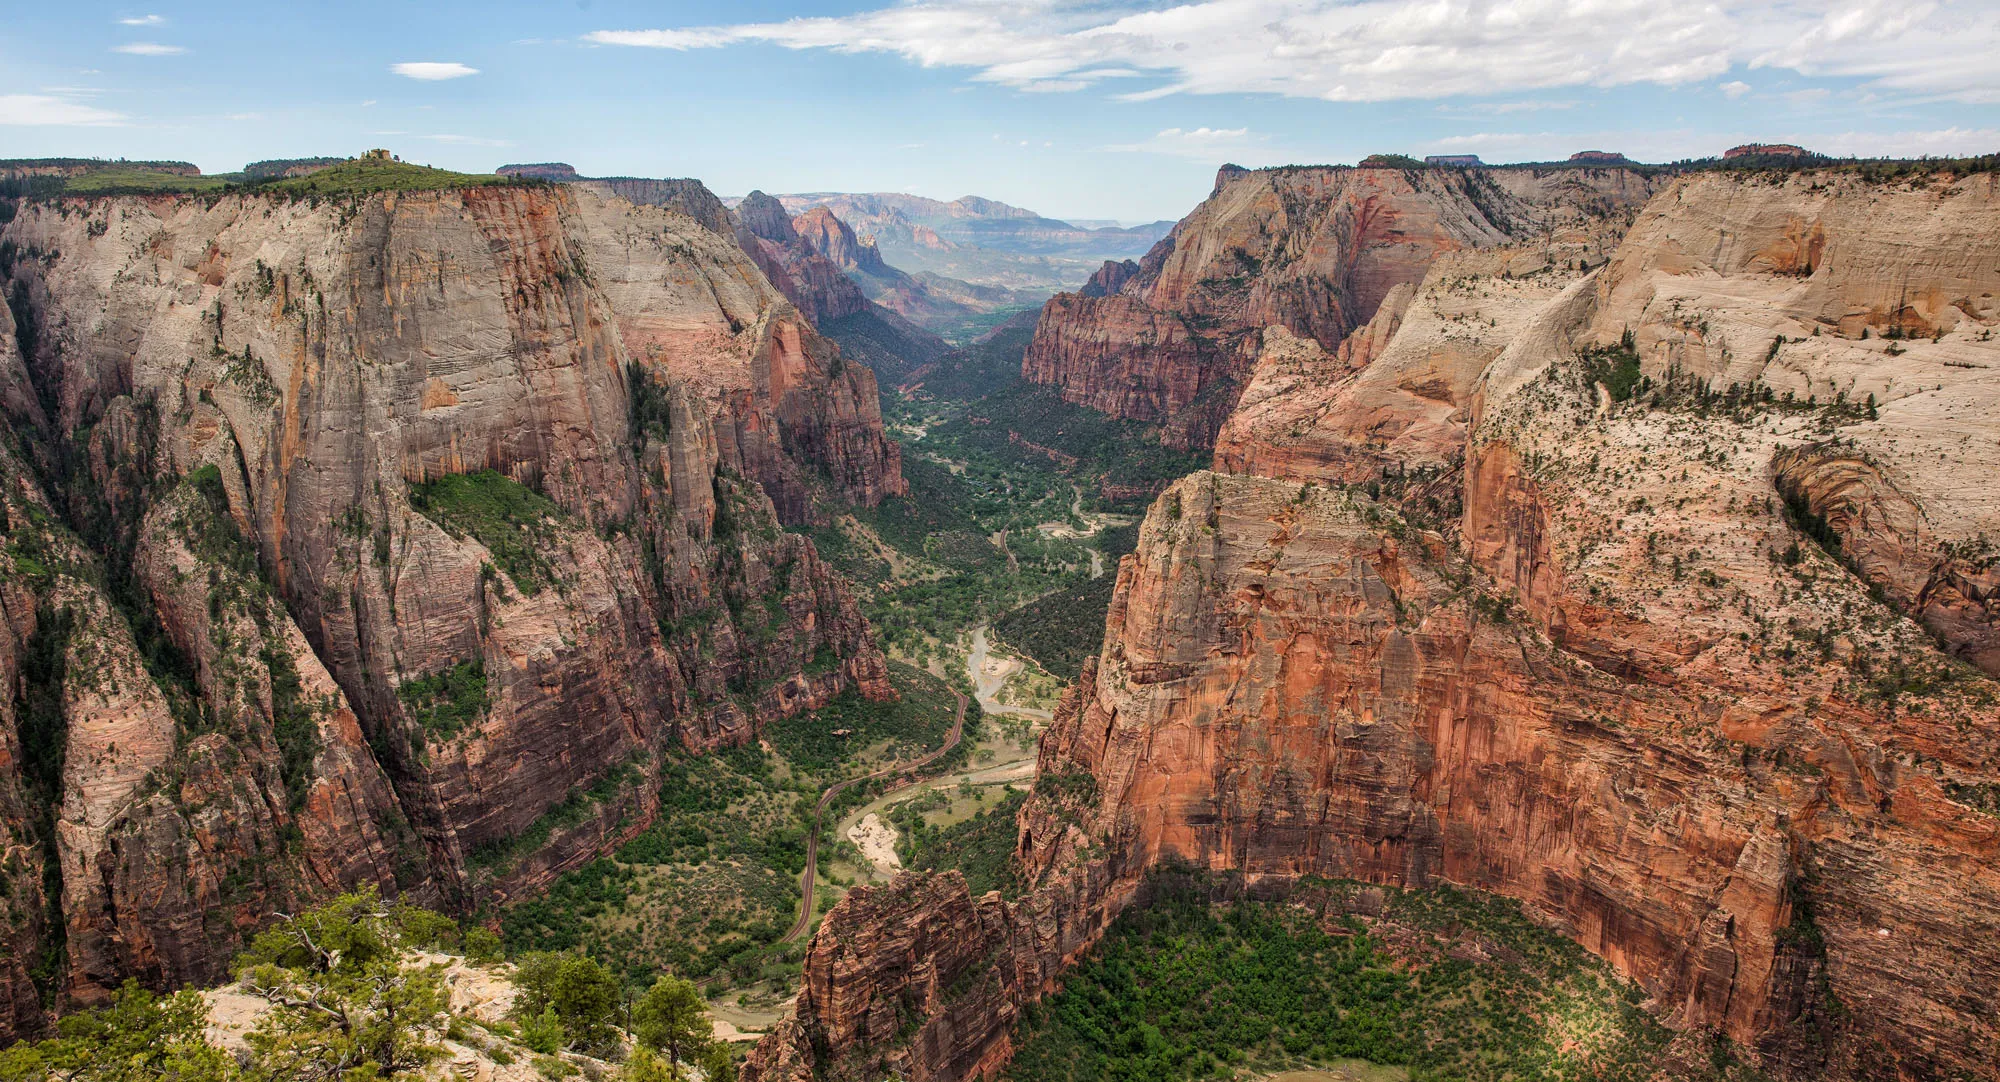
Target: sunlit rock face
<point>1316,250</point>
<point>1651,592</point>
<point>228,412</point>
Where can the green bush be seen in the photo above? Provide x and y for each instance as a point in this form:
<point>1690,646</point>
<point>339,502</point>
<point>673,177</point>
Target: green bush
<point>584,996</point>
<point>1181,986</point>
<point>448,701</point>
<point>981,848</point>
<point>514,522</point>
<point>1616,367</point>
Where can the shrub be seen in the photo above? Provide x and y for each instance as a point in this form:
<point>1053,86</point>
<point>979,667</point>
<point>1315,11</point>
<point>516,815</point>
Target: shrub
<point>672,1018</point>
<point>447,701</point>
<point>514,522</point>
<point>583,994</point>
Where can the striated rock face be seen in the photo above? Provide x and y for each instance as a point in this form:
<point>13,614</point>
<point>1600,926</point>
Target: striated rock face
<point>1396,395</point>
<point>830,237</point>
<point>920,980</point>
<point>1586,627</point>
<point>917,299</point>
<point>307,664</point>
<point>1825,287</point>
<point>687,195</point>
<point>814,282</point>
<point>1314,250</point>
<point>1110,278</point>
<point>690,197</point>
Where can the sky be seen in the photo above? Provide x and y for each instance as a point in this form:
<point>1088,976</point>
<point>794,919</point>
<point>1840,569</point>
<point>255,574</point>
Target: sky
<point>1103,109</point>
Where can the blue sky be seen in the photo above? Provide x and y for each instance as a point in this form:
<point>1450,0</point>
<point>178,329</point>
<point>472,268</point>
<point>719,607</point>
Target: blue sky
<point>1082,108</point>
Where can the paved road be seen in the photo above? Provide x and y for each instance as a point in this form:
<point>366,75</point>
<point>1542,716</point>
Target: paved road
<point>819,813</point>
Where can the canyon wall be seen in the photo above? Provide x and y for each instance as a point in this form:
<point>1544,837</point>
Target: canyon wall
<point>1315,250</point>
<point>1655,595</point>
<point>387,539</point>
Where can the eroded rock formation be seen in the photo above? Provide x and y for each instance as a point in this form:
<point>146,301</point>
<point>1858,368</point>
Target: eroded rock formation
<point>1652,595</point>
<point>1314,250</point>
<point>352,537</point>
<point>813,281</point>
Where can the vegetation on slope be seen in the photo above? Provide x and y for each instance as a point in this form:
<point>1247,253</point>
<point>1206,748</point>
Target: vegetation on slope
<point>1447,983</point>
<point>514,522</point>
<point>1059,630</point>
<point>892,348</point>
<point>353,990</point>
<point>366,176</point>
<point>350,177</point>
<point>981,847</point>
<point>708,888</point>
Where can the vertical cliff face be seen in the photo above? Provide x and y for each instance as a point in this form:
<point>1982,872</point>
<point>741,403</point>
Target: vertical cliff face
<point>1314,250</point>
<point>398,520</point>
<point>690,197</point>
<point>814,281</point>
<point>1613,592</point>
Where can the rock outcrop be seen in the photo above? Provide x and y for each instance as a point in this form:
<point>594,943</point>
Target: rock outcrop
<point>919,300</point>
<point>813,281</point>
<point>1314,250</point>
<point>399,523</point>
<point>1632,612</point>
<point>690,197</point>
<point>1110,278</point>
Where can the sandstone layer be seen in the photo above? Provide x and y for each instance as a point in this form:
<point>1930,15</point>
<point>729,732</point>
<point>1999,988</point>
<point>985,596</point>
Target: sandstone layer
<point>1656,596</point>
<point>290,649</point>
<point>1314,250</point>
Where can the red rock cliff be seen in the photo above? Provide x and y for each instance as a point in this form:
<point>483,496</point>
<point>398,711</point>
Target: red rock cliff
<point>307,369</point>
<point>1314,250</point>
<point>1466,614</point>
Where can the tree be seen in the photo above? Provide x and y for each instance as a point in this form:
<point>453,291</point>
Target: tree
<point>584,995</point>
<point>717,1063</point>
<point>346,1002</point>
<point>672,1018</point>
<point>137,1037</point>
<point>644,1066</point>
<point>482,945</point>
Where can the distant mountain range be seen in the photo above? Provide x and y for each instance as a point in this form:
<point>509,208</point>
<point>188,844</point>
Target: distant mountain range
<point>981,241</point>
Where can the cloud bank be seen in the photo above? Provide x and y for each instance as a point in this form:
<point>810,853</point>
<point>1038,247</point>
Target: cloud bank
<point>1382,50</point>
<point>433,70</point>
<point>42,109</point>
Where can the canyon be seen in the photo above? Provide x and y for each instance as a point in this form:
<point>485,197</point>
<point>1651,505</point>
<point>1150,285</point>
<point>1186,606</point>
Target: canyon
<point>1614,540</point>
<point>1635,563</point>
<point>388,538</point>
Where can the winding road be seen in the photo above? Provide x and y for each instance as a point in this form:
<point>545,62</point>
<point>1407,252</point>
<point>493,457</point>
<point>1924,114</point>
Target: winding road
<point>826,798</point>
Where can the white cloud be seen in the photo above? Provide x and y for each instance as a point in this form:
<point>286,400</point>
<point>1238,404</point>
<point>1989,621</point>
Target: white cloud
<point>1672,145</point>
<point>148,48</point>
<point>1735,88</point>
<point>41,109</point>
<point>1943,142</point>
<point>1505,108</point>
<point>144,20</point>
<point>433,70</point>
<point>1378,50</point>
<point>1201,144</point>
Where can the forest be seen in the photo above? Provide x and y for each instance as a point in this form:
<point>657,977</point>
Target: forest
<point>1448,984</point>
